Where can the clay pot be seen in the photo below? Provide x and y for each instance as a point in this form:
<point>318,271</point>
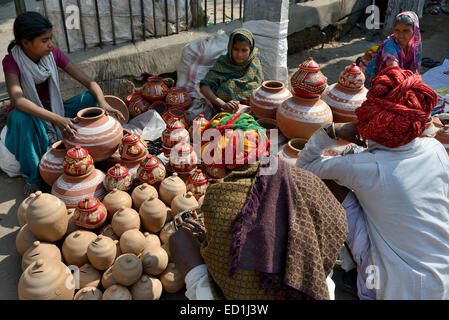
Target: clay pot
<point>40,250</point>
<point>183,159</point>
<point>165,246</point>
<point>25,239</point>
<point>21,210</point>
<point>300,117</point>
<point>90,213</point>
<point>183,202</point>
<point>125,219</point>
<point>133,166</point>
<point>73,189</point>
<point>174,133</point>
<point>201,200</point>
<point>166,232</point>
<point>178,97</point>
<point>117,292</point>
<point>291,150</point>
<point>72,226</point>
<point>46,280</point>
<point>172,280</point>
<point>154,260</point>
<point>88,293</point>
<point>107,231</point>
<point>443,137</point>
<point>153,213</point>
<point>118,177</point>
<point>159,106</point>
<point>47,217</point>
<point>308,81</point>
<point>118,251</point>
<point>132,241</point>
<point>214,172</point>
<point>137,104</point>
<point>89,276</point>
<point>115,200</point>
<point>127,269</point>
<point>147,288</point>
<point>154,89</point>
<point>77,162</point>
<point>169,216</point>
<point>132,147</point>
<point>171,187</point>
<point>74,248</point>
<point>265,100</point>
<point>119,105</point>
<point>101,252</point>
<point>107,279</point>
<point>151,171</point>
<point>352,77</point>
<point>99,133</point>
<point>142,193</point>
<point>175,112</point>
<point>50,166</point>
<point>197,184</point>
<point>197,128</point>
<point>151,240</point>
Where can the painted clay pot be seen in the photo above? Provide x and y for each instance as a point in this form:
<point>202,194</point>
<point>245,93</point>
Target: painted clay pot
<point>142,193</point>
<point>25,239</point>
<point>89,276</point>
<point>40,250</point>
<point>291,150</point>
<point>174,133</point>
<point>46,280</point>
<point>176,112</point>
<point>78,162</point>
<point>197,128</point>
<point>21,210</point>
<point>117,292</point>
<point>443,137</point>
<point>166,232</point>
<point>74,247</point>
<point>147,288</point>
<point>151,171</point>
<point>197,184</point>
<point>352,77</point>
<point>154,89</point>
<point>178,97</point>
<point>132,147</point>
<point>119,105</point>
<point>159,106</point>
<point>214,172</point>
<point>115,200</point>
<point>308,81</point>
<point>99,133</point>
<point>101,252</point>
<point>125,219</point>
<point>172,279</point>
<point>265,100</point>
<point>107,231</point>
<point>127,269</point>
<point>151,240</point>
<point>132,241</point>
<point>137,104</point>
<point>47,217</point>
<point>154,260</point>
<point>50,166</point>
<point>118,177</point>
<point>90,213</point>
<point>171,187</point>
<point>183,202</point>
<point>88,293</point>
<point>134,165</point>
<point>73,189</point>
<point>153,213</point>
<point>300,117</point>
<point>107,279</point>
<point>183,158</point>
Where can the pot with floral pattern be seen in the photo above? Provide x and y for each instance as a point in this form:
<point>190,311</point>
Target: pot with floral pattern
<point>178,97</point>
<point>50,166</point>
<point>197,128</point>
<point>78,162</point>
<point>154,89</point>
<point>118,177</point>
<point>137,104</point>
<point>176,112</point>
<point>132,147</point>
<point>151,171</point>
<point>308,81</point>
<point>183,159</point>
<point>90,213</point>
<point>174,133</point>
<point>197,184</point>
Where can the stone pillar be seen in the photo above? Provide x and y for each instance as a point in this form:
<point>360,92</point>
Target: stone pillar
<point>271,10</point>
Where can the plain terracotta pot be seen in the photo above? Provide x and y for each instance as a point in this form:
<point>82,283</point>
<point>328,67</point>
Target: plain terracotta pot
<point>74,247</point>
<point>88,293</point>
<point>154,214</point>
<point>265,100</point>
<point>132,241</point>
<point>107,278</point>
<point>115,200</point>
<point>151,240</point>
<point>25,239</point>
<point>127,269</point>
<point>47,217</point>
<point>154,260</point>
<point>117,292</point>
<point>89,276</point>
<point>166,232</point>
<point>125,219</point>
<point>147,288</point>
<point>142,193</point>
<point>97,132</point>
<point>172,279</point>
<point>21,210</point>
<point>107,231</point>
<point>101,252</point>
<point>46,280</point>
<point>171,187</point>
<point>40,250</point>
<point>183,202</point>
<point>291,150</point>
<point>50,166</point>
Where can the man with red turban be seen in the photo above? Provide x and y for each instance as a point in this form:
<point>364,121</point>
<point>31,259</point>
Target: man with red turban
<point>398,209</point>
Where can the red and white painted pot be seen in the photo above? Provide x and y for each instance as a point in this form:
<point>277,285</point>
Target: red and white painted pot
<point>151,171</point>
<point>132,147</point>
<point>90,213</point>
<point>265,100</point>
<point>197,128</point>
<point>154,89</point>
<point>178,97</point>
<point>50,166</point>
<point>183,159</point>
<point>77,162</point>
<point>137,104</point>
<point>174,133</point>
<point>197,184</point>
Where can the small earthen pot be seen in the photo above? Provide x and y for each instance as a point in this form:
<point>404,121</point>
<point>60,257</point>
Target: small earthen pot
<point>107,279</point>
<point>119,178</point>
<point>125,219</point>
<point>115,200</point>
<point>151,240</point>
<point>21,211</point>
<point>197,184</point>
<point>154,89</point>
<point>88,293</point>
<point>78,162</point>
<point>153,213</point>
<point>197,128</point>
<point>174,133</point>
<point>166,232</point>
<point>101,252</point>
<point>183,159</point>
<point>127,269</point>
<point>132,241</point>
<point>178,97</point>
<point>40,250</point>
<point>90,213</point>
<point>147,288</point>
<point>172,279</point>
<point>183,202</point>
<point>175,112</point>
<point>74,247</point>
<point>171,187</point>
<point>265,100</point>
<point>46,280</point>
<point>291,150</point>
<point>117,292</point>
<point>25,239</point>
<point>132,147</point>
<point>137,104</point>
<point>142,193</point>
<point>151,171</point>
<point>107,231</point>
<point>89,276</point>
<point>50,166</point>
<point>154,260</point>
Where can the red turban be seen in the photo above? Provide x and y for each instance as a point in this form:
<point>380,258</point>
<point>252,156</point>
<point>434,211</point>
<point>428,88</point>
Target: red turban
<point>397,107</point>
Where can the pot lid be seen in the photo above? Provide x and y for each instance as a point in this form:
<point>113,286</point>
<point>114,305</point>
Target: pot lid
<point>149,162</point>
<point>353,69</point>
<point>118,171</point>
<point>88,204</point>
<point>77,153</point>
<point>198,177</point>
<point>310,65</point>
<point>200,119</point>
<point>131,138</point>
<point>175,124</point>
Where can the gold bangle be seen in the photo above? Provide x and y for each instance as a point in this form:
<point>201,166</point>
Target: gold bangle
<point>333,130</point>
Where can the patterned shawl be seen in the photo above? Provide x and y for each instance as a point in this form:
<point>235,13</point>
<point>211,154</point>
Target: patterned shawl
<point>272,237</point>
<point>232,81</point>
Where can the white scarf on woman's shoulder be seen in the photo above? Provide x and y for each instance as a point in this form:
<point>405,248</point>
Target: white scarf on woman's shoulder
<point>32,73</point>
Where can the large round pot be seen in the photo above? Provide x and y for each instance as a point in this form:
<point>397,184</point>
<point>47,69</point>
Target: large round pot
<point>197,184</point>
<point>74,247</point>
<point>183,159</point>
<point>90,213</point>
<point>132,147</point>
<point>178,97</point>
<point>151,171</point>
<point>308,81</point>
<point>78,162</point>
<point>154,89</point>
<point>300,117</point>
<point>97,132</point>
<point>137,104</point>
<point>265,100</point>
<point>132,241</point>
<point>50,166</point>
<point>142,193</point>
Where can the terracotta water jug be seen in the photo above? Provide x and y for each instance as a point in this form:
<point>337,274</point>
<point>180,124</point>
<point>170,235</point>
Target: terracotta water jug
<point>125,219</point>
<point>178,97</point>
<point>151,171</point>
<point>172,279</point>
<point>74,247</point>
<point>118,177</point>
<point>117,292</point>
<point>290,151</point>
<point>101,252</point>
<point>115,200</point>
<point>90,213</point>
<point>265,100</point>
<point>308,81</point>
<point>137,104</point>
<point>443,137</point>
<point>174,133</point>
<point>132,241</point>
<point>154,260</point>
<point>89,276</point>
<point>47,217</point>
<point>132,147</point>
<point>127,269</point>
<point>175,112</point>
<point>197,128</point>
<point>97,132</point>
<point>151,240</point>
<point>197,184</point>
<point>25,239</point>
<point>142,193</point>
<point>166,232</point>
<point>77,162</point>
<point>21,210</point>
<point>153,213</point>
<point>183,159</point>
<point>46,280</point>
<point>147,288</point>
<point>50,166</point>
<point>183,202</point>
<point>88,293</point>
<point>107,231</point>
<point>154,89</point>
<point>171,187</point>
<point>40,250</point>
<point>107,278</point>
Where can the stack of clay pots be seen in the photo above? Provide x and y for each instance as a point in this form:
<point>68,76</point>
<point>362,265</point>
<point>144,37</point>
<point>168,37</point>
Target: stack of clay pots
<point>133,150</point>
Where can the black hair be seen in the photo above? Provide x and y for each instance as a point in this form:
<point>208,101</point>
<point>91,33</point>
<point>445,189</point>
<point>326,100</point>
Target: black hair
<point>28,26</point>
<point>241,38</point>
<point>404,19</point>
